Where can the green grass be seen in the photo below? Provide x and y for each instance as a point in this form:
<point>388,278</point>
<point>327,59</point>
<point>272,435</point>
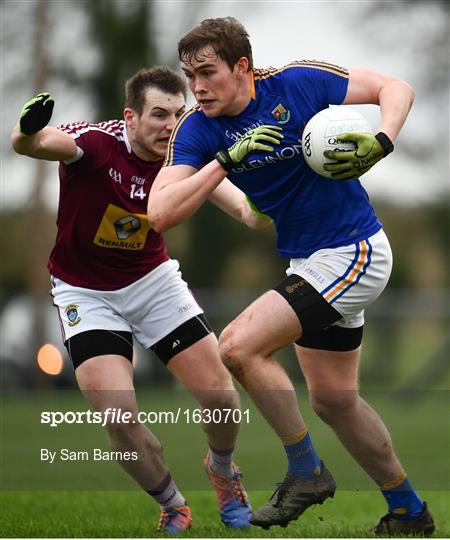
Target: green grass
<point>97,499</point>
<point>134,515</point>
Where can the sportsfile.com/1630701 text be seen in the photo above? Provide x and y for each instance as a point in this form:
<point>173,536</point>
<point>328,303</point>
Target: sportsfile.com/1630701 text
<point>120,416</point>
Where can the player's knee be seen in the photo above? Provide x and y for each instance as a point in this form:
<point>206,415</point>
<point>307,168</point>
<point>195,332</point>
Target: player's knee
<point>231,350</point>
<point>332,404</point>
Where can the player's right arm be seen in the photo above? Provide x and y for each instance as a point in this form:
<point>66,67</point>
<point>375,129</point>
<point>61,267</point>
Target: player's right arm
<point>179,190</point>
<point>32,137</point>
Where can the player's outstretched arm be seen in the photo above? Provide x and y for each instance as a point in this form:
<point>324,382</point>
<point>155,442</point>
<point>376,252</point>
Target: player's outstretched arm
<point>231,200</point>
<point>31,137</point>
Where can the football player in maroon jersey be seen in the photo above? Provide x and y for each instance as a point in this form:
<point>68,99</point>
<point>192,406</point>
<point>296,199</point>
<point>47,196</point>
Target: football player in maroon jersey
<point>112,279</point>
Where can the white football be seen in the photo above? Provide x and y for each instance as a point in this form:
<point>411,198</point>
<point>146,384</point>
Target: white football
<point>323,128</point>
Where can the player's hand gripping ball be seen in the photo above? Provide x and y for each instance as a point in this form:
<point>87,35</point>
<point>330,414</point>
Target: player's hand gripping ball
<point>338,143</point>
<point>36,113</point>
<point>260,138</point>
<point>354,163</point>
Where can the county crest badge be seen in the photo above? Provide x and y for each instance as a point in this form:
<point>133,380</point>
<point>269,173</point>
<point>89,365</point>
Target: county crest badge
<point>282,115</point>
<point>72,314</point>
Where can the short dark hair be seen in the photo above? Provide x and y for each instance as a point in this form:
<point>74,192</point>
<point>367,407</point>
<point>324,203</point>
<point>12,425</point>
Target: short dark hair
<point>161,77</point>
<point>227,36</point>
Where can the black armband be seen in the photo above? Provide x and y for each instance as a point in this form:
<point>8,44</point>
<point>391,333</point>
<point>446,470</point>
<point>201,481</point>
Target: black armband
<point>223,157</point>
<point>386,143</point>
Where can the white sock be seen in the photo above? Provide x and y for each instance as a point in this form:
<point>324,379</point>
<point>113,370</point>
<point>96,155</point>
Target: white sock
<point>169,496</point>
<point>220,462</point>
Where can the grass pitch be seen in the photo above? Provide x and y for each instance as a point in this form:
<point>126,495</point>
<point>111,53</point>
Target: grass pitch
<point>88,499</point>
<point>135,515</point>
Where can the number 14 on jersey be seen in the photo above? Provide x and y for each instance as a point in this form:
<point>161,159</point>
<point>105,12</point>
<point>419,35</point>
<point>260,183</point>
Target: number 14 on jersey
<point>137,192</point>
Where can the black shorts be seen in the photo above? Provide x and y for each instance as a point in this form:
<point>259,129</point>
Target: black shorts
<point>317,317</point>
<point>100,342</point>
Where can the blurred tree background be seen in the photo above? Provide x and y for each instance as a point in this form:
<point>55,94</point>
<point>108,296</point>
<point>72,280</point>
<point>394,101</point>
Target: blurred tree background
<point>226,264</point>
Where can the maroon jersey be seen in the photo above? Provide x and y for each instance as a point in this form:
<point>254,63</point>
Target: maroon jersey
<point>104,240</point>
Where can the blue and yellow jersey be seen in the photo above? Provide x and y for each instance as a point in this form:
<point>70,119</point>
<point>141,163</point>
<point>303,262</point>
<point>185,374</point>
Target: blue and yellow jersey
<point>310,212</point>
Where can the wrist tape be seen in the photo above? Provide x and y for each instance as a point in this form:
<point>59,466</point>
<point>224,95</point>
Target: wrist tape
<point>223,157</point>
<point>385,142</point>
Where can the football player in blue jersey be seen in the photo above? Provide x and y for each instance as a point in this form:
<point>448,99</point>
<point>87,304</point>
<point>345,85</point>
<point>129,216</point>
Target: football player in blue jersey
<point>247,126</point>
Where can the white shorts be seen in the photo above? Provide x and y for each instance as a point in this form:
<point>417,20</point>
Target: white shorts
<point>150,308</point>
<point>349,277</point>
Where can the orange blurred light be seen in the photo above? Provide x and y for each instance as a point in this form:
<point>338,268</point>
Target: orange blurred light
<point>50,360</point>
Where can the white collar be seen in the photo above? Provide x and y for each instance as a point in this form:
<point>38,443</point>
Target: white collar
<point>125,137</point>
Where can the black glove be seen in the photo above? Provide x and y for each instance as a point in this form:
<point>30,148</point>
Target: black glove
<point>36,113</point>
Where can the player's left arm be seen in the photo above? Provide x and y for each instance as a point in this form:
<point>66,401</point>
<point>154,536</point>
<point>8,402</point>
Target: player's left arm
<point>34,138</point>
<point>395,98</point>
<point>231,200</point>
